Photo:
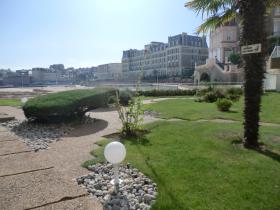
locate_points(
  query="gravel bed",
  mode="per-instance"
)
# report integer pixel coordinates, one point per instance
(37, 136)
(135, 192)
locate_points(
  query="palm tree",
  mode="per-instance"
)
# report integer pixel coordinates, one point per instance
(251, 15)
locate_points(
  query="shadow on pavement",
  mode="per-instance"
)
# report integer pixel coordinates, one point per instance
(88, 129)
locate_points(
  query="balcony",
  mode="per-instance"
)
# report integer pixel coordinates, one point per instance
(276, 52)
(275, 58)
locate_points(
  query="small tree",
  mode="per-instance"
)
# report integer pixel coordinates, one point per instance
(131, 116)
(235, 58)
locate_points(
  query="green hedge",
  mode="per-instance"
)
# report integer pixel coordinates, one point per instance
(223, 104)
(67, 105)
(168, 92)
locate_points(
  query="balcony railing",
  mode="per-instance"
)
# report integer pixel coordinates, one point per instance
(276, 52)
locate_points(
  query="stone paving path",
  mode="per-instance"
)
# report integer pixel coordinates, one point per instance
(46, 179)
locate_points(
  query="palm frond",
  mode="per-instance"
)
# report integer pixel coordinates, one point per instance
(211, 7)
(217, 20)
(272, 3)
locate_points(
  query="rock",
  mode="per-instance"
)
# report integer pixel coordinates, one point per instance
(148, 198)
(98, 193)
(79, 180)
(116, 207)
(97, 186)
(144, 206)
(36, 136)
(107, 197)
(132, 193)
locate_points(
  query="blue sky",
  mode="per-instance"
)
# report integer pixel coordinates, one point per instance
(83, 33)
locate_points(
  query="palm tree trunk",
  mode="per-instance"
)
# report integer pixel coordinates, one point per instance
(253, 15)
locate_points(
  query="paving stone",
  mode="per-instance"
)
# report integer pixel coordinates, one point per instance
(7, 136)
(6, 118)
(24, 191)
(16, 146)
(17, 163)
(82, 203)
(3, 129)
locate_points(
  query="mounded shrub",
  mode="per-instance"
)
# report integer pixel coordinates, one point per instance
(234, 94)
(213, 95)
(233, 98)
(112, 100)
(224, 104)
(125, 96)
(234, 91)
(67, 105)
(158, 93)
(210, 97)
(202, 92)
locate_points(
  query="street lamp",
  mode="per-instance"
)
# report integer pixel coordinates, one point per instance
(115, 153)
(24, 100)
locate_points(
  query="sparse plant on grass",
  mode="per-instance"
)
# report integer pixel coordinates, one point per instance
(125, 96)
(130, 116)
(234, 91)
(224, 104)
(158, 93)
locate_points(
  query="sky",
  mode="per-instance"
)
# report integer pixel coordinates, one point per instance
(85, 33)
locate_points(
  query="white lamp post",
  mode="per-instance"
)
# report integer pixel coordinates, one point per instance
(24, 100)
(115, 153)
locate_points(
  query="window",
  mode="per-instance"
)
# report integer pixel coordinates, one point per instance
(277, 11)
(228, 37)
(277, 26)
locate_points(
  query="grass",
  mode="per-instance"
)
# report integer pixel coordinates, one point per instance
(97, 154)
(10, 102)
(199, 167)
(157, 97)
(191, 110)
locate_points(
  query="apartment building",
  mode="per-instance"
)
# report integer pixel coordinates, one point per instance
(224, 41)
(16, 79)
(178, 57)
(110, 71)
(53, 75)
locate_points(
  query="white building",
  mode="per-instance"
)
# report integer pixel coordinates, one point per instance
(272, 76)
(224, 41)
(175, 58)
(110, 71)
(272, 81)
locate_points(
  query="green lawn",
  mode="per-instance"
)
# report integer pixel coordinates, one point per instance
(197, 167)
(191, 110)
(10, 102)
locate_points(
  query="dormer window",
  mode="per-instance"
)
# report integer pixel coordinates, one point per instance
(277, 11)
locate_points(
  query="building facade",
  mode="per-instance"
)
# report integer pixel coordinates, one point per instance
(15, 79)
(272, 76)
(273, 23)
(178, 57)
(224, 41)
(110, 71)
(53, 75)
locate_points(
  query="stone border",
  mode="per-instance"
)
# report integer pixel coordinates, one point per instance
(135, 192)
